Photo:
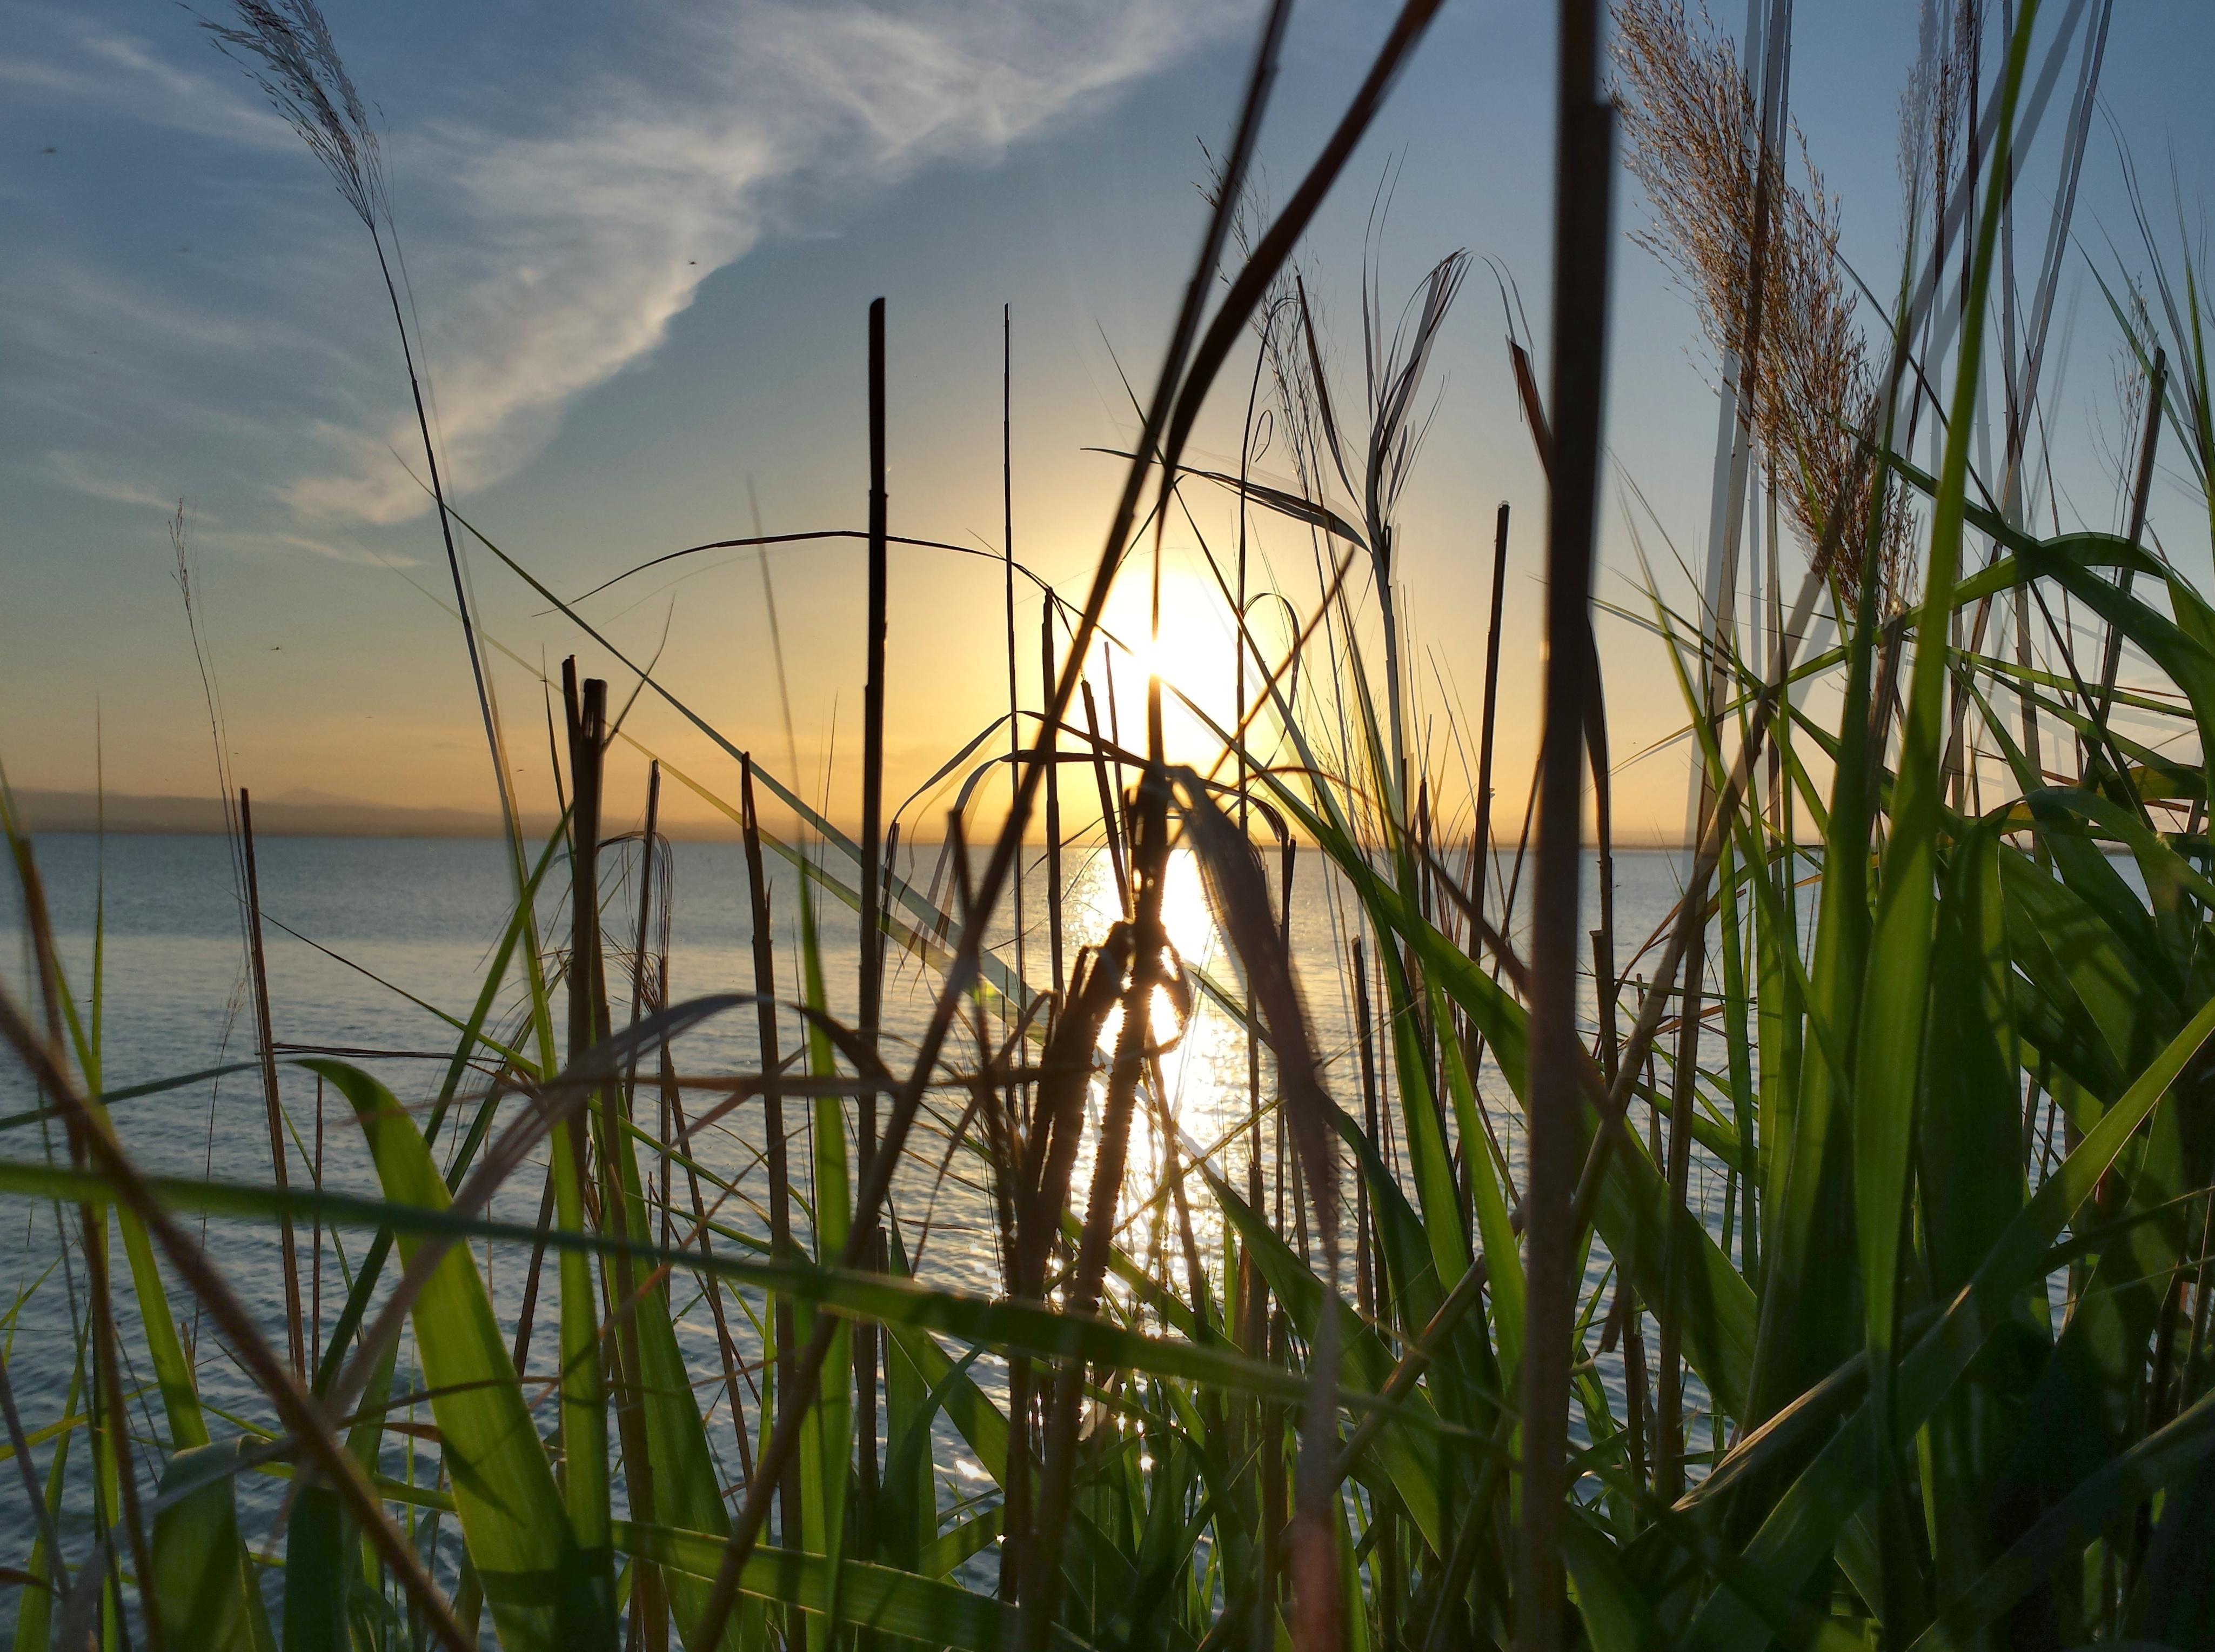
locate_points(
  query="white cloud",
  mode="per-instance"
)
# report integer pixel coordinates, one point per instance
(83, 474)
(551, 253)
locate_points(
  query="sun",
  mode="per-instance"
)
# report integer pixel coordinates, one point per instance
(1194, 654)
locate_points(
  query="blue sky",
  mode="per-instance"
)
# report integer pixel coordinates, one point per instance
(640, 243)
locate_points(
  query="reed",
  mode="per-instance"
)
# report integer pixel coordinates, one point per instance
(1490, 1322)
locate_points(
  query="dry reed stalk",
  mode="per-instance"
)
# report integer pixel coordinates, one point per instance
(1027, 1255)
(273, 1101)
(1668, 1426)
(1133, 1039)
(1809, 385)
(726, 1346)
(526, 1316)
(1008, 579)
(1110, 810)
(315, 1245)
(871, 983)
(1606, 988)
(589, 1027)
(1049, 754)
(1489, 717)
(1042, 1193)
(1365, 1035)
(1584, 173)
(780, 1184)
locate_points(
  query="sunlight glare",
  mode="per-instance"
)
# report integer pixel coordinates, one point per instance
(1193, 655)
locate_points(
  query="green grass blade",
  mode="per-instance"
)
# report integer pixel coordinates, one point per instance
(1801, 1529)
(994, 1323)
(827, 1444)
(847, 1593)
(2164, 1458)
(205, 1592)
(511, 1515)
(34, 1609)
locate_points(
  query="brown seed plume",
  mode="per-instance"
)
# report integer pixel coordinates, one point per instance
(1689, 114)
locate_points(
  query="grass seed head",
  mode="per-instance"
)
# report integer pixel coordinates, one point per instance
(286, 47)
(1809, 387)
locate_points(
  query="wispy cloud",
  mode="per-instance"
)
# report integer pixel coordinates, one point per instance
(63, 55)
(92, 476)
(550, 249)
(283, 543)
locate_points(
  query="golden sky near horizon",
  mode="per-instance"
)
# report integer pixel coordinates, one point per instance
(640, 279)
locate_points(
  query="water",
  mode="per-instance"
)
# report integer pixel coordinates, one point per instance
(362, 934)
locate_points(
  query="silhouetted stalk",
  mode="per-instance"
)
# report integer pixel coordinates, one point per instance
(1049, 756)
(1634, 1384)
(673, 1098)
(642, 985)
(1042, 1589)
(2111, 656)
(315, 1245)
(1007, 578)
(272, 1103)
(1583, 179)
(1738, 1040)
(1050, 1159)
(526, 1316)
(872, 915)
(1251, 1289)
(1669, 1439)
(773, 1134)
(1490, 714)
(114, 1424)
(588, 1027)
(1605, 986)
(1150, 854)
(584, 1383)
(1364, 1037)
(1110, 813)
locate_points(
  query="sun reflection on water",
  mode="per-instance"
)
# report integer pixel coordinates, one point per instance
(1203, 1073)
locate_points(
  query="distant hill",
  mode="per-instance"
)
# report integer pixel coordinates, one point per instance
(300, 813)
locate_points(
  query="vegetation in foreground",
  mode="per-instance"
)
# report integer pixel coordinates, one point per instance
(1935, 1000)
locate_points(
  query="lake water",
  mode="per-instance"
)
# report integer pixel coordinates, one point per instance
(362, 934)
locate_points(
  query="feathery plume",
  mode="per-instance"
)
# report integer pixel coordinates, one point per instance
(1808, 389)
(285, 48)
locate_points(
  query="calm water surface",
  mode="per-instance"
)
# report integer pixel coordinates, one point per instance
(365, 938)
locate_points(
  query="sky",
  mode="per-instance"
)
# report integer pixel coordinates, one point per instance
(640, 243)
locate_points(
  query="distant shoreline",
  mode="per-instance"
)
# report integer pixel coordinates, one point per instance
(46, 812)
